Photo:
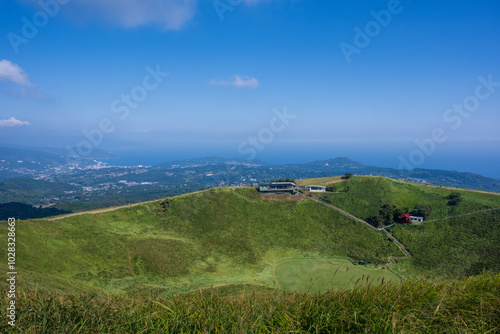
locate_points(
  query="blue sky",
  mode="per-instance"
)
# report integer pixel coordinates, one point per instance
(225, 77)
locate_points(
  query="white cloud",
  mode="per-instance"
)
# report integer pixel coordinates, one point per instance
(170, 14)
(12, 122)
(241, 82)
(12, 72)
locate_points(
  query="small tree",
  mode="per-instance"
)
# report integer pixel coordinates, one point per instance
(398, 212)
(455, 198)
(375, 221)
(346, 176)
(388, 212)
(421, 211)
(331, 188)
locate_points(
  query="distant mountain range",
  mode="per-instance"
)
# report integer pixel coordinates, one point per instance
(46, 178)
(344, 165)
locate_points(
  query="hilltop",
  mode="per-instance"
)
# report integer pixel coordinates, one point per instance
(365, 196)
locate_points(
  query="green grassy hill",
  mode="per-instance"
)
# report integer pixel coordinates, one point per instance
(452, 248)
(365, 196)
(217, 237)
(468, 306)
(227, 254)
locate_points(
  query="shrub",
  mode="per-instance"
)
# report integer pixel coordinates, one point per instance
(421, 211)
(455, 198)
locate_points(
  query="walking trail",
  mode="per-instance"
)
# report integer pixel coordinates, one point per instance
(93, 212)
(464, 214)
(396, 241)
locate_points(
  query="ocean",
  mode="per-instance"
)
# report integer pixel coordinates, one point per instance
(483, 159)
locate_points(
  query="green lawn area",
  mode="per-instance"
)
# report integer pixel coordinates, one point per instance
(320, 275)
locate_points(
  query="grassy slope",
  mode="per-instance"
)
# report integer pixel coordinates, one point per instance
(448, 248)
(367, 195)
(454, 247)
(468, 306)
(215, 237)
(191, 244)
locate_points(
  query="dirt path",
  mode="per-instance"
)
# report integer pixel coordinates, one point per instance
(93, 212)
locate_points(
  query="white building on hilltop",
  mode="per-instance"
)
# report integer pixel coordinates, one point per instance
(315, 189)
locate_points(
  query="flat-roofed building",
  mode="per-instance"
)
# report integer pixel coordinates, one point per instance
(278, 188)
(315, 189)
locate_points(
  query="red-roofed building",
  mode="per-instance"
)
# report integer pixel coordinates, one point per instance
(404, 218)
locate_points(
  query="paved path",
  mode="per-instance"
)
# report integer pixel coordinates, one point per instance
(464, 214)
(340, 210)
(396, 241)
(401, 246)
(403, 249)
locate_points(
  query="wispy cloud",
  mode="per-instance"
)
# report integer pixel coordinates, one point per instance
(17, 77)
(169, 14)
(12, 122)
(14, 73)
(238, 81)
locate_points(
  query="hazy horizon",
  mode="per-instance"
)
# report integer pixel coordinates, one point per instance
(470, 160)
